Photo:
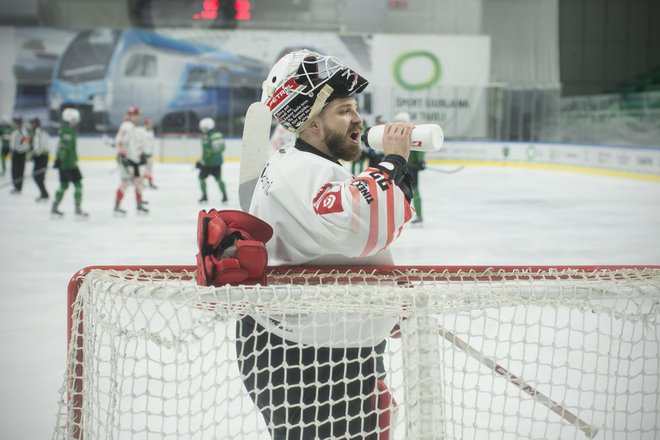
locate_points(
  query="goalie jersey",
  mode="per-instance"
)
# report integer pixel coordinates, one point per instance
(322, 215)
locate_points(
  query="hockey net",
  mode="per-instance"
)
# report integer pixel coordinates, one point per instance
(477, 352)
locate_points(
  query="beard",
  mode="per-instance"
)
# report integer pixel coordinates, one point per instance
(340, 145)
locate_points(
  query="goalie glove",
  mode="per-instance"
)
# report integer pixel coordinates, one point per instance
(232, 248)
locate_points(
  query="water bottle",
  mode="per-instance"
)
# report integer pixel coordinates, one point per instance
(425, 137)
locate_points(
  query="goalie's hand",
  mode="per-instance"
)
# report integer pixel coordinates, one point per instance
(232, 248)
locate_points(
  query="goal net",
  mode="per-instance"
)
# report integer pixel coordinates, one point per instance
(469, 353)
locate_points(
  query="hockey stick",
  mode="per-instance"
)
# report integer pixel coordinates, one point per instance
(589, 430)
(255, 151)
(440, 170)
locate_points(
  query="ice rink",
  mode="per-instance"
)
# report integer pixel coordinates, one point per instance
(476, 216)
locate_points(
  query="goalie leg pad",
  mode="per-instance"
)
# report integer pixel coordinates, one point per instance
(383, 401)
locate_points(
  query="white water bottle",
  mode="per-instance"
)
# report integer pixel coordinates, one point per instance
(425, 137)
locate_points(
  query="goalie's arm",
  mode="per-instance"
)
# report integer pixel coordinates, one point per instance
(378, 202)
(353, 217)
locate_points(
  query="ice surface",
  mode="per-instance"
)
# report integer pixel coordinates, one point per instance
(477, 216)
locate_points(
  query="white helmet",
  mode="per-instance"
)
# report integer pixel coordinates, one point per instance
(71, 115)
(206, 124)
(402, 117)
(301, 83)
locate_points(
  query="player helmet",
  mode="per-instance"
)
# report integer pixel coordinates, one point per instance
(71, 115)
(206, 124)
(149, 123)
(132, 111)
(402, 117)
(36, 122)
(301, 83)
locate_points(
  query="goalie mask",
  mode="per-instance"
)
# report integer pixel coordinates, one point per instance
(301, 83)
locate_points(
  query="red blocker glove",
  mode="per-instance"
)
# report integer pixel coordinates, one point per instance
(232, 248)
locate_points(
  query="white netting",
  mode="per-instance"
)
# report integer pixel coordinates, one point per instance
(482, 353)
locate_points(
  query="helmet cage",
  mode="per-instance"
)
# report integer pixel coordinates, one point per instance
(304, 84)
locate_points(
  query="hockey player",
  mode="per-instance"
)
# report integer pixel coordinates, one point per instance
(129, 150)
(319, 381)
(20, 146)
(148, 146)
(40, 153)
(416, 163)
(210, 164)
(5, 135)
(67, 162)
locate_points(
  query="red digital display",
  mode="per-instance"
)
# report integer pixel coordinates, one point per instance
(239, 10)
(397, 4)
(242, 10)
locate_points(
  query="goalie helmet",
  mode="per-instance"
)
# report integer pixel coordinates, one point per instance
(71, 115)
(301, 83)
(206, 124)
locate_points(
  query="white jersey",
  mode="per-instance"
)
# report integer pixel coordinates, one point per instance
(40, 142)
(20, 141)
(321, 215)
(147, 140)
(128, 141)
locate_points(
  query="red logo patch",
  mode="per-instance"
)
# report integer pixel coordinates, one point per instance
(328, 200)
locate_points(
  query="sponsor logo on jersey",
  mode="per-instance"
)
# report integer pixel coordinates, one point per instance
(328, 200)
(363, 188)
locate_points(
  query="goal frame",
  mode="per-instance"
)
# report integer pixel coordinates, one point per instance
(294, 274)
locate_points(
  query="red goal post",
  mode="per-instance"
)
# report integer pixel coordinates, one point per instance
(502, 352)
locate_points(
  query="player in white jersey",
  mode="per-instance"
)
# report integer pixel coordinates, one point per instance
(129, 155)
(40, 154)
(322, 215)
(148, 146)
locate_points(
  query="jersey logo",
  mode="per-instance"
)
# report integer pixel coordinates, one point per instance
(363, 188)
(328, 200)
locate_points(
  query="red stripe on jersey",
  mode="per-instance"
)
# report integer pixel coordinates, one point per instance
(355, 208)
(407, 211)
(373, 217)
(391, 221)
